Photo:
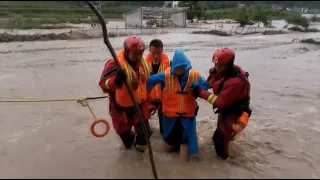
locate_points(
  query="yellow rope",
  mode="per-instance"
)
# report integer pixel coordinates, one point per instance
(39, 100)
(85, 103)
(82, 101)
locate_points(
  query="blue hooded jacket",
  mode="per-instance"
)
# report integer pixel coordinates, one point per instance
(189, 124)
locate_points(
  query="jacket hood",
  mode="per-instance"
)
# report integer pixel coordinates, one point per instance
(180, 59)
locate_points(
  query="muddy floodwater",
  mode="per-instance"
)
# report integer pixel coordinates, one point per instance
(52, 140)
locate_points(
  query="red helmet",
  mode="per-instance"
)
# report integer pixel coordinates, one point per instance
(223, 56)
(134, 43)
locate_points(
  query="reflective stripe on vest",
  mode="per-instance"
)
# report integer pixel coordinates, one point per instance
(177, 102)
(155, 93)
(122, 96)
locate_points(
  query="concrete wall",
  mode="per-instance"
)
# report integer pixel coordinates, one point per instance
(133, 19)
(180, 19)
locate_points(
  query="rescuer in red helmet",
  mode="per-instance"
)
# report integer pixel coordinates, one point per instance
(121, 108)
(230, 98)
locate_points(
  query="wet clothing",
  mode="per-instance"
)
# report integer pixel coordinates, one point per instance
(136, 78)
(177, 136)
(179, 101)
(188, 124)
(231, 97)
(155, 94)
(123, 118)
(159, 107)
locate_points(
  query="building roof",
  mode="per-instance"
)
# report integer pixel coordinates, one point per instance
(156, 11)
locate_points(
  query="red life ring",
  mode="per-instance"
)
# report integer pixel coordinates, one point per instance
(97, 121)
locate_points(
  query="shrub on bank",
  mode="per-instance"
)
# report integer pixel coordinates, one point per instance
(298, 20)
(315, 18)
(242, 16)
(246, 15)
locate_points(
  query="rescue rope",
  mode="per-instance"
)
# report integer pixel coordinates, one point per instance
(82, 101)
(141, 118)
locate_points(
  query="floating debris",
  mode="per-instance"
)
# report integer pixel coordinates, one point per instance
(215, 32)
(273, 32)
(311, 41)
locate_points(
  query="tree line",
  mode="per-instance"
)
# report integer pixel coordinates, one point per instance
(212, 5)
(284, 4)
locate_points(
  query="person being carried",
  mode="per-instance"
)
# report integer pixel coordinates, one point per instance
(179, 106)
(157, 62)
(121, 108)
(231, 98)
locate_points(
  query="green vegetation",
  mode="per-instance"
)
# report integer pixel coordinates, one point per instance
(197, 9)
(254, 14)
(298, 20)
(213, 5)
(261, 14)
(230, 13)
(33, 14)
(29, 23)
(246, 15)
(242, 15)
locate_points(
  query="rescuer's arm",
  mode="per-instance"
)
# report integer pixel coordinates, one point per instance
(155, 79)
(228, 95)
(107, 81)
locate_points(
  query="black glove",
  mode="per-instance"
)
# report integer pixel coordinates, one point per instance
(120, 77)
(195, 88)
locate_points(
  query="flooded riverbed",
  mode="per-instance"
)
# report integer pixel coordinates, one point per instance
(52, 140)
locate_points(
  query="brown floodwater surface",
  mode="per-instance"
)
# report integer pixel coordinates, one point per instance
(53, 140)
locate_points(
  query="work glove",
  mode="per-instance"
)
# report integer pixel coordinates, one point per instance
(213, 71)
(120, 77)
(195, 89)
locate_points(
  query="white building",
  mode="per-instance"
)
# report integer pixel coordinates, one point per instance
(135, 18)
(171, 4)
(240, 5)
(175, 4)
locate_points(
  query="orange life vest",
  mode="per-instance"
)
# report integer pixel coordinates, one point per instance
(137, 81)
(155, 93)
(177, 102)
